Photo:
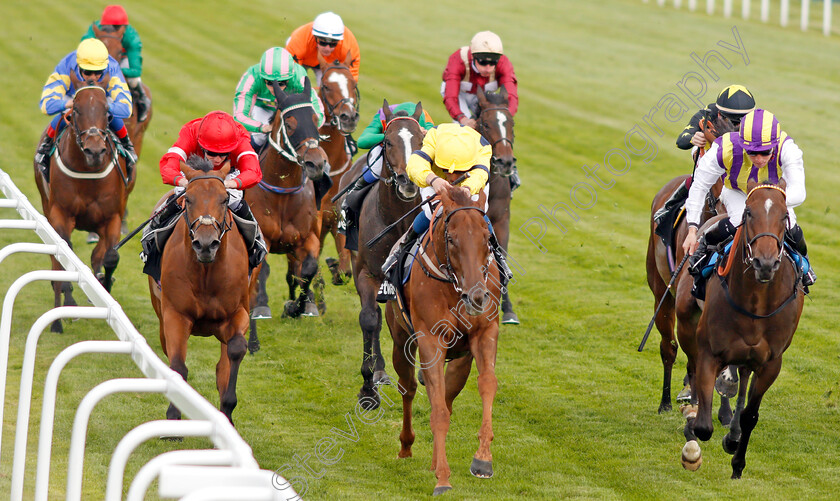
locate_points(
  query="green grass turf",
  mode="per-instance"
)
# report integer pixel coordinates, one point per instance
(575, 415)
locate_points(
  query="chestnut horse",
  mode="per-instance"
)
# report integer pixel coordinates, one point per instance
(391, 197)
(661, 262)
(751, 312)
(453, 302)
(284, 202)
(340, 97)
(495, 123)
(113, 42)
(88, 187)
(204, 289)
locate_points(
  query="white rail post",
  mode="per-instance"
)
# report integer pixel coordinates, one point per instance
(692, 5)
(745, 9)
(42, 475)
(805, 15)
(784, 12)
(827, 17)
(727, 8)
(150, 471)
(710, 7)
(765, 11)
(27, 376)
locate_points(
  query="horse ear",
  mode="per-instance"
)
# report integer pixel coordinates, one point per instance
(322, 63)
(751, 183)
(74, 81)
(418, 111)
(307, 86)
(386, 111)
(96, 31)
(782, 184)
(504, 93)
(224, 170)
(482, 99)
(349, 59)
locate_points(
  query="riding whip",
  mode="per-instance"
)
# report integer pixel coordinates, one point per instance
(661, 301)
(144, 223)
(391, 226)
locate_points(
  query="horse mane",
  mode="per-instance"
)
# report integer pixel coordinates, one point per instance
(401, 113)
(108, 28)
(460, 198)
(198, 163)
(495, 98)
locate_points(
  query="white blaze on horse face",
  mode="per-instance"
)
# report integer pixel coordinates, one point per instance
(341, 81)
(502, 119)
(767, 204)
(405, 134)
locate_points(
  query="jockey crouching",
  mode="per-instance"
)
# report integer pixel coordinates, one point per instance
(219, 139)
(90, 61)
(254, 103)
(446, 148)
(372, 137)
(761, 149)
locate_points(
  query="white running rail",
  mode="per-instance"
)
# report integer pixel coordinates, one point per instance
(231, 461)
(784, 11)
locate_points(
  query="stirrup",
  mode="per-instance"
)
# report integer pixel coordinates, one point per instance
(809, 278)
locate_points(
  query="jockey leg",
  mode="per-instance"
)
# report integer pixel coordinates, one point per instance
(677, 199)
(250, 230)
(151, 254)
(715, 235)
(42, 154)
(796, 239)
(118, 126)
(499, 254)
(352, 204)
(387, 290)
(138, 94)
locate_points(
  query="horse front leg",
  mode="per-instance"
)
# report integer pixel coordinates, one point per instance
(227, 370)
(762, 380)
(177, 330)
(432, 363)
(731, 440)
(370, 321)
(667, 347)
(404, 350)
(483, 348)
(64, 227)
(261, 310)
(307, 256)
(104, 255)
(502, 229)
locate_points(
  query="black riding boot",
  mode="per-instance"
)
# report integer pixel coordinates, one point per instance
(499, 254)
(42, 156)
(169, 210)
(351, 205)
(252, 234)
(131, 155)
(386, 290)
(139, 95)
(710, 240)
(677, 198)
(796, 238)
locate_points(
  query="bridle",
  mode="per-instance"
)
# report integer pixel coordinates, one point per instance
(206, 219)
(484, 130)
(748, 254)
(392, 177)
(80, 134)
(282, 142)
(330, 107)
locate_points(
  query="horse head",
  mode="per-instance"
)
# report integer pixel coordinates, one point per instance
(205, 201)
(403, 135)
(339, 94)
(714, 127)
(111, 36)
(295, 129)
(89, 117)
(495, 123)
(765, 221)
(464, 239)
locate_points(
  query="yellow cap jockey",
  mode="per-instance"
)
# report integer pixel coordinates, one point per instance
(451, 148)
(92, 55)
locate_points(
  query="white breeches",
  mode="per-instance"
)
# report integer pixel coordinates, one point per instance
(469, 102)
(735, 201)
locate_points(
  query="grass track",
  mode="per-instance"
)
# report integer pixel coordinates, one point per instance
(575, 413)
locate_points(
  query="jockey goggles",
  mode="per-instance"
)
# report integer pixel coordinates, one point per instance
(486, 62)
(762, 153)
(216, 154)
(323, 42)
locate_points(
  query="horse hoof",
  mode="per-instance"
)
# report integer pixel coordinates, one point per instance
(481, 469)
(261, 313)
(56, 327)
(253, 347)
(369, 400)
(440, 490)
(420, 377)
(684, 396)
(381, 378)
(290, 310)
(92, 238)
(691, 456)
(310, 309)
(664, 408)
(510, 318)
(322, 307)
(729, 445)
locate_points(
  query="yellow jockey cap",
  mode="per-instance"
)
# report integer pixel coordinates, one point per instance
(92, 55)
(456, 147)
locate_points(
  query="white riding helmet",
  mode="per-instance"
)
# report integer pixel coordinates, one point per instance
(328, 25)
(486, 42)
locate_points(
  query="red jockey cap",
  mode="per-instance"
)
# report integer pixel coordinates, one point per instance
(115, 15)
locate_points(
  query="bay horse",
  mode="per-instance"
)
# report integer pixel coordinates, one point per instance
(453, 302)
(340, 97)
(88, 187)
(391, 197)
(495, 123)
(113, 42)
(661, 261)
(751, 312)
(284, 202)
(204, 285)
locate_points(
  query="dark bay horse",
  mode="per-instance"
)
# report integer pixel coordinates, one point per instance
(113, 42)
(204, 285)
(661, 262)
(453, 302)
(751, 312)
(284, 202)
(88, 187)
(387, 201)
(340, 96)
(495, 123)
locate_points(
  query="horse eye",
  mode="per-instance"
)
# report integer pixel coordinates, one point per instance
(387, 143)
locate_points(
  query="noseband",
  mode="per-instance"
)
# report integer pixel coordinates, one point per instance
(208, 220)
(282, 142)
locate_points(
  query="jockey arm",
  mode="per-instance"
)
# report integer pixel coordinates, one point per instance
(316, 104)
(452, 75)
(373, 134)
(793, 172)
(707, 173)
(119, 97)
(133, 48)
(244, 99)
(684, 140)
(507, 77)
(247, 162)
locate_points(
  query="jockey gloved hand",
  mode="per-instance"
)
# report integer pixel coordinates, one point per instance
(690, 243)
(699, 140)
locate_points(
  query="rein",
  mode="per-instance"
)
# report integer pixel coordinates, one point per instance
(748, 258)
(207, 220)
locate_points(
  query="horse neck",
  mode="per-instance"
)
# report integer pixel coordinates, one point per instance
(279, 171)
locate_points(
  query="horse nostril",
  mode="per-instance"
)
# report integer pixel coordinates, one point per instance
(214, 245)
(196, 245)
